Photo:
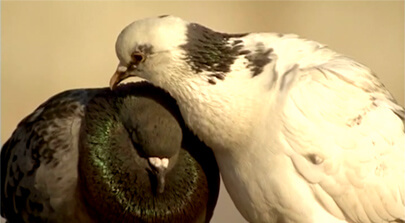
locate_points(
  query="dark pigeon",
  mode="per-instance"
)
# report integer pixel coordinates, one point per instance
(83, 156)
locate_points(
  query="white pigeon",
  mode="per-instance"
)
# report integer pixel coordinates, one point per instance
(300, 132)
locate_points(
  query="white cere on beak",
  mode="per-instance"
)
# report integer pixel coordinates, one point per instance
(158, 162)
(122, 69)
(165, 162)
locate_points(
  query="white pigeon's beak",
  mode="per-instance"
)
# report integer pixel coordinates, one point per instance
(159, 166)
(119, 75)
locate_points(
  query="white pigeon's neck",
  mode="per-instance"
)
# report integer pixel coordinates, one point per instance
(215, 112)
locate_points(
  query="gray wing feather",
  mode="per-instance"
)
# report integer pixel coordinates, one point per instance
(39, 161)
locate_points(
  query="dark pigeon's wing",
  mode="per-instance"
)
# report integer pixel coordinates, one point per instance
(39, 161)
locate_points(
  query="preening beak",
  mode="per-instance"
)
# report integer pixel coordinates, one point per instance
(119, 75)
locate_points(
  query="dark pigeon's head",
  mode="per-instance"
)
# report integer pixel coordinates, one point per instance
(155, 133)
(166, 50)
(138, 162)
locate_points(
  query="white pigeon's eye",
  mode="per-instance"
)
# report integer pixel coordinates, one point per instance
(137, 57)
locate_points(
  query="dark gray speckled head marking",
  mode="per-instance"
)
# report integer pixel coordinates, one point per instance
(258, 59)
(146, 49)
(210, 51)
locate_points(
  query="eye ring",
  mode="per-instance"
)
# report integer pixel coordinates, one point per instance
(137, 57)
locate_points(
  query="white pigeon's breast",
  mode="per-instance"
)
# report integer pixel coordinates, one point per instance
(249, 153)
(265, 186)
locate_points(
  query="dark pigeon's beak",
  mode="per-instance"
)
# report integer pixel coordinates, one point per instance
(159, 167)
(119, 75)
(160, 180)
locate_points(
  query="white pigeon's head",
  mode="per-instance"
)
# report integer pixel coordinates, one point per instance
(167, 49)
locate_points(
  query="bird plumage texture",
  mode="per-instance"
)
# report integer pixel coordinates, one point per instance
(82, 156)
(300, 133)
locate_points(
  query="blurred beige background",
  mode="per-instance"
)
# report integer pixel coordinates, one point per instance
(48, 47)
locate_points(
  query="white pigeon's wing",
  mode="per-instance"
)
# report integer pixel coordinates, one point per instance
(345, 135)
